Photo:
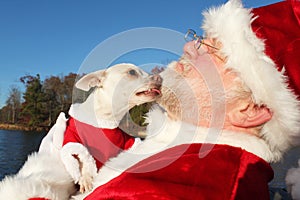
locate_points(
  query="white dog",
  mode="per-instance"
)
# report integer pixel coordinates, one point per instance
(61, 162)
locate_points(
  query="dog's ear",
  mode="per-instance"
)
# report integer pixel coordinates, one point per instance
(90, 80)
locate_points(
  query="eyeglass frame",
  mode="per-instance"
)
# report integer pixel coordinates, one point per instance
(199, 40)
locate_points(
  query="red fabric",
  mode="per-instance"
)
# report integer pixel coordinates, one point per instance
(101, 143)
(278, 25)
(226, 173)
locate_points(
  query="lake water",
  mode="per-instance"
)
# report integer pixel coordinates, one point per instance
(15, 146)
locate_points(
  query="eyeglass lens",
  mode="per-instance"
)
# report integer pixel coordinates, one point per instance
(190, 35)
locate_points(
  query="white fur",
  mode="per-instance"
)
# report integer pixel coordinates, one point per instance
(165, 133)
(86, 115)
(52, 142)
(231, 25)
(293, 182)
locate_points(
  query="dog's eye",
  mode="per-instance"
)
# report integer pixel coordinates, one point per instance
(132, 72)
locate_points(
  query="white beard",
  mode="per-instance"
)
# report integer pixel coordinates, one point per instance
(176, 92)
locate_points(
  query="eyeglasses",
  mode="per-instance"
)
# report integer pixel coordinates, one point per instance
(199, 40)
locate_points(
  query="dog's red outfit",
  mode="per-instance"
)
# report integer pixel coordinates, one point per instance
(102, 143)
(225, 173)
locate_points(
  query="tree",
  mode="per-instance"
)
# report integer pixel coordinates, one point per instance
(58, 95)
(34, 108)
(5, 114)
(157, 70)
(67, 91)
(13, 103)
(52, 91)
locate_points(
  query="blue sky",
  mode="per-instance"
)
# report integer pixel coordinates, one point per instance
(55, 37)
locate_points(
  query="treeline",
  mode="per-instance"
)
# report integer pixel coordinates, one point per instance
(41, 102)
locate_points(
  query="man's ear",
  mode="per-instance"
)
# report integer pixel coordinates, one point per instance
(90, 80)
(249, 116)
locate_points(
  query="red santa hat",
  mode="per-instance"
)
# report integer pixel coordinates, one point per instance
(261, 45)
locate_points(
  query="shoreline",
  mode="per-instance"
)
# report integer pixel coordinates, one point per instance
(19, 127)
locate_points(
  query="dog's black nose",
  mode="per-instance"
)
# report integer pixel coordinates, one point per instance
(156, 78)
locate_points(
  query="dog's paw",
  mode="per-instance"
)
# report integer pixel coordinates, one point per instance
(86, 183)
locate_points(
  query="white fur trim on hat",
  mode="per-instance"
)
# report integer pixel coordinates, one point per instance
(231, 25)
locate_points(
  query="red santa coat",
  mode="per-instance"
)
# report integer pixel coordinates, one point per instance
(102, 143)
(226, 172)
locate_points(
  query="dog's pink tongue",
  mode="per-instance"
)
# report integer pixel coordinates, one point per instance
(156, 90)
(152, 92)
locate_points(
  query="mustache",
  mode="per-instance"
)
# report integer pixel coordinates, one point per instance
(186, 63)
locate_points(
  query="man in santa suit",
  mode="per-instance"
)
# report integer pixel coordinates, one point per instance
(232, 107)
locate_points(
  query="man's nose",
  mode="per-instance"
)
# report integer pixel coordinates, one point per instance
(189, 50)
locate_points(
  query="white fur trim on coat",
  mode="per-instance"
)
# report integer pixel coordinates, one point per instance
(231, 25)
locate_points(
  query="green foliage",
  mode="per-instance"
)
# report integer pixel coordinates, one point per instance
(137, 113)
(34, 107)
(58, 94)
